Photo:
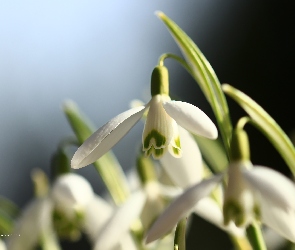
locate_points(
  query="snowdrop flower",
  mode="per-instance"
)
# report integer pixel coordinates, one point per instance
(187, 171)
(34, 224)
(115, 230)
(71, 193)
(160, 131)
(252, 193)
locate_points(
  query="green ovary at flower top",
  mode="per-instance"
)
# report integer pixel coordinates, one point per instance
(161, 127)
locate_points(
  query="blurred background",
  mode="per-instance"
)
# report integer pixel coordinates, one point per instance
(101, 53)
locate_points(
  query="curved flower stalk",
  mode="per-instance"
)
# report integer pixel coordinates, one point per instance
(252, 193)
(160, 132)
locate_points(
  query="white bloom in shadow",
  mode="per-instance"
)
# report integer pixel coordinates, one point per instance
(252, 193)
(2, 245)
(160, 131)
(34, 223)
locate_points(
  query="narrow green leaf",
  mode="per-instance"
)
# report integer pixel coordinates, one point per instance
(205, 76)
(9, 207)
(266, 124)
(6, 223)
(213, 153)
(107, 166)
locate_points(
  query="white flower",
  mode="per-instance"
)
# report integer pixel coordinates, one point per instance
(115, 230)
(2, 245)
(34, 224)
(252, 193)
(160, 132)
(71, 193)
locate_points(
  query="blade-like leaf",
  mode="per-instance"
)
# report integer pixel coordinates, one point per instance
(266, 124)
(9, 207)
(213, 153)
(204, 74)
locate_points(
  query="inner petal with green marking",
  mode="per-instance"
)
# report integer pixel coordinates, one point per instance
(159, 129)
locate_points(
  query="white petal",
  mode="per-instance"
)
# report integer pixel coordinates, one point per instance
(281, 221)
(97, 213)
(120, 221)
(2, 245)
(191, 118)
(126, 243)
(188, 169)
(180, 208)
(70, 191)
(272, 186)
(106, 137)
(208, 209)
(33, 223)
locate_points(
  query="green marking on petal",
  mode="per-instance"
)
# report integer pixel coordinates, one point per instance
(233, 211)
(176, 151)
(257, 212)
(159, 139)
(177, 142)
(158, 153)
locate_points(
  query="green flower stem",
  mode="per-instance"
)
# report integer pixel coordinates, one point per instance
(60, 162)
(241, 243)
(242, 122)
(176, 58)
(205, 76)
(254, 235)
(261, 120)
(41, 183)
(107, 166)
(49, 241)
(179, 238)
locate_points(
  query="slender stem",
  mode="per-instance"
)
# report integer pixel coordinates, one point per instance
(241, 243)
(255, 237)
(179, 238)
(175, 57)
(242, 122)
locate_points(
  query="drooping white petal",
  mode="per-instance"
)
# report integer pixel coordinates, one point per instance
(191, 118)
(71, 191)
(280, 220)
(34, 223)
(97, 213)
(158, 129)
(272, 186)
(208, 209)
(180, 208)
(120, 221)
(2, 245)
(188, 169)
(126, 243)
(106, 137)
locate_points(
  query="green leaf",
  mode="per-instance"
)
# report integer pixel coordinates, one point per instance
(6, 223)
(9, 207)
(213, 153)
(107, 166)
(266, 124)
(205, 76)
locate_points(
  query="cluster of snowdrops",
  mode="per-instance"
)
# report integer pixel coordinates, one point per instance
(186, 165)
